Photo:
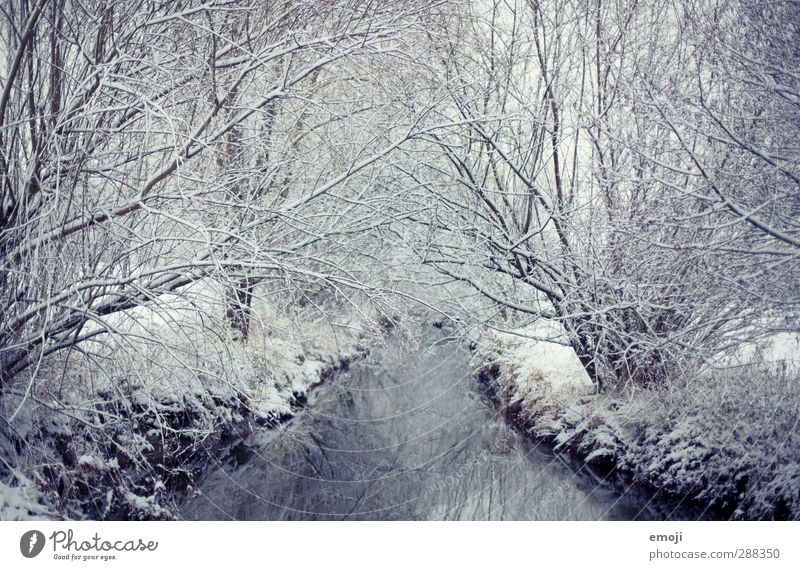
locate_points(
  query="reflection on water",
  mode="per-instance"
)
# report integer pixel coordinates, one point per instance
(407, 435)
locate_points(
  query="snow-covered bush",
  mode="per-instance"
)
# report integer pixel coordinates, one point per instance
(121, 431)
(727, 440)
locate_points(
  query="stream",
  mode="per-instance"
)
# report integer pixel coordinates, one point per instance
(408, 433)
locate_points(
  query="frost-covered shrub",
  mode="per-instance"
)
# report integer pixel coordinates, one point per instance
(120, 432)
(730, 441)
(727, 441)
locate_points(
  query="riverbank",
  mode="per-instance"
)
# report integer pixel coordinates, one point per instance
(123, 434)
(726, 441)
(407, 433)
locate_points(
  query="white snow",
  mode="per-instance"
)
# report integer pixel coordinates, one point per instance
(179, 363)
(97, 463)
(708, 441)
(541, 366)
(20, 502)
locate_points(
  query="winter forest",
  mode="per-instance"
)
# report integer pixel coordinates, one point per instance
(578, 220)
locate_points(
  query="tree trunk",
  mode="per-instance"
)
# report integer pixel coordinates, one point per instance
(238, 312)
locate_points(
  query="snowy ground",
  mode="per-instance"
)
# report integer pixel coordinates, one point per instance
(114, 432)
(730, 445)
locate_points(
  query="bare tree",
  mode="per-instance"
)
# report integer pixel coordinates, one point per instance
(146, 146)
(572, 194)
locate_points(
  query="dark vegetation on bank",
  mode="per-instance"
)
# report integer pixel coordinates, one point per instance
(728, 449)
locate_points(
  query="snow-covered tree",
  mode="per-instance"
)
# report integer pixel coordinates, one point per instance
(148, 145)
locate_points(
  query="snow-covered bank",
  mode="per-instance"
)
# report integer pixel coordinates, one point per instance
(120, 432)
(727, 442)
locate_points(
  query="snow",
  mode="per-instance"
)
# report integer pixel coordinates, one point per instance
(20, 502)
(543, 368)
(712, 442)
(97, 463)
(178, 383)
(780, 351)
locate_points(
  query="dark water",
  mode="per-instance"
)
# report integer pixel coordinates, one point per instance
(407, 434)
